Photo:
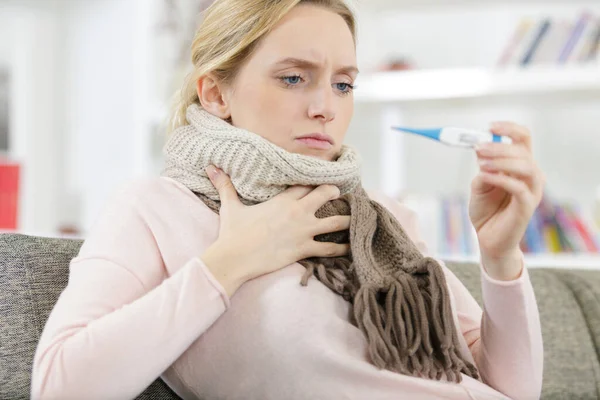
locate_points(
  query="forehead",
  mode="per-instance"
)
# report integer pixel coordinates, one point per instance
(311, 32)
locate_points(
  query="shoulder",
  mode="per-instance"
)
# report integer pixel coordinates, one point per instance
(407, 217)
(149, 189)
(142, 211)
(403, 214)
(154, 193)
(149, 202)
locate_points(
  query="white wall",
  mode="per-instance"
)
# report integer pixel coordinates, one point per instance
(28, 33)
(79, 105)
(102, 102)
(450, 35)
(473, 35)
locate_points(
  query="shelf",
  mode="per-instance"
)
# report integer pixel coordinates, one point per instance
(379, 5)
(463, 83)
(559, 261)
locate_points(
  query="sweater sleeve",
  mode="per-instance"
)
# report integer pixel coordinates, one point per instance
(121, 321)
(505, 337)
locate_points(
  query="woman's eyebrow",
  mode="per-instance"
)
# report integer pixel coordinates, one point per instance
(299, 62)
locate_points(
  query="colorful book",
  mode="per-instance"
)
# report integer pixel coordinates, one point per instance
(9, 195)
(533, 234)
(568, 238)
(565, 221)
(446, 228)
(454, 225)
(574, 37)
(465, 225)
(525, 43)
(585, 232)
(527, 240)
(515, 41)
(537, 39)
(594, 51)
(585, 42)
(557, 35)
(550, 232)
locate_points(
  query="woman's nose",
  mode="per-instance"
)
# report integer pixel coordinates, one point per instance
(322, 104)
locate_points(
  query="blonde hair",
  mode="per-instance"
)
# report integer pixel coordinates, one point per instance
(229, 32)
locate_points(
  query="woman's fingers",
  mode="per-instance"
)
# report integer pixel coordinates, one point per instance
(515, 160)
(518, 133)
(502, 150)
(222, 183)
(328, 249)
(319, 196)
(332, 224)
(512, 185)
(296, 192)
(517, 167)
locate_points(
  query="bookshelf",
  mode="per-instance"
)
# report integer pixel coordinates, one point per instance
(456, 80)
(386, 5)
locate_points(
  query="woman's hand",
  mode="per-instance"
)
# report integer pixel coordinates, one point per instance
(504, 195)
(256, 240)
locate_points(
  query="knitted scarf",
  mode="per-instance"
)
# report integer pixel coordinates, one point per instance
(399, 297)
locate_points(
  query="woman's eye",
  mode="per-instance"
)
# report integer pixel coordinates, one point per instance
(344, 87)
(292, 80)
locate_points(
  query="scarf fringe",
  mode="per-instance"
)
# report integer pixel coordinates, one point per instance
(407, 321)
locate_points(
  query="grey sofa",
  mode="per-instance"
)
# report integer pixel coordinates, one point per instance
(34, 270)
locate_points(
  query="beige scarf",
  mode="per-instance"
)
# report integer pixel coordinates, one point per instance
(400, 298)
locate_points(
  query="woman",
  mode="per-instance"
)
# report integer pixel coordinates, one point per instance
(197, 281)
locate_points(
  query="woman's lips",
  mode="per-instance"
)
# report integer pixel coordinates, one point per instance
(315, 143)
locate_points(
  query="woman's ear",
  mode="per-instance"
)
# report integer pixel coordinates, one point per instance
(212, 96)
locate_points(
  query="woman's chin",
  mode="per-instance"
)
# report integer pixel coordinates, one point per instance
(321, 156)
(325, 155)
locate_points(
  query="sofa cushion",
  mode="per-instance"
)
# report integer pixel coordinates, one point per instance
(570, 319)
(33, 273)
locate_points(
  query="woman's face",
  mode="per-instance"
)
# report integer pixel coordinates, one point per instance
(299, 82)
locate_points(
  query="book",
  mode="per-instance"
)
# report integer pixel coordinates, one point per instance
(555, 227)
(586, 233)
(582, 21)
(585, 43)
(515, 41)
(553, 41)
(533, 239)
(525, 41)
(557, 35)
(537, 39)
(550, 233)
(574, 239)
(9, 195)
(594, 49)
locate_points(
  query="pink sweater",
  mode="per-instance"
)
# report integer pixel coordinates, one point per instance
(141, 304)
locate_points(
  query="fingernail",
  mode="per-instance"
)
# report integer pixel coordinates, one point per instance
(483, 146)
(212, 171)
(497, 126)
(484, 163)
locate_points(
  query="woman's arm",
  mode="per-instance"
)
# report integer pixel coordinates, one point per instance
(121, 322)
(505, 338)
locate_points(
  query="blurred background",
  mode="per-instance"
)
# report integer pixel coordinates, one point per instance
(85, 87)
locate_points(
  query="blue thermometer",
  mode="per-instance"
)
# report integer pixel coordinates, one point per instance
(459, 137)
